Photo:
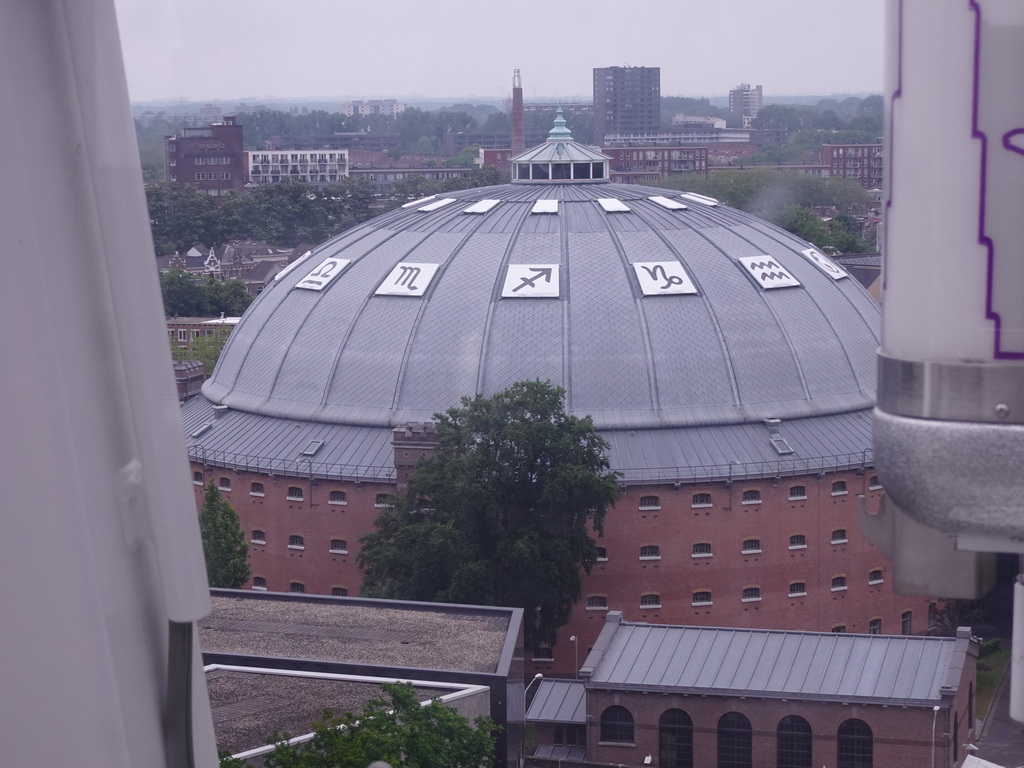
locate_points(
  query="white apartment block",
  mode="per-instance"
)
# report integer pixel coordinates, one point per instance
(311, 166)
(373, 107)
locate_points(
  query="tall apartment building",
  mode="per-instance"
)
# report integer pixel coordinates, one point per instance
(626, 100)
(373, 107)
(210, 158)
(745, 101)
(312, 167)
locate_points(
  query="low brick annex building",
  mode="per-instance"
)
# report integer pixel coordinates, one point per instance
(679, 697)
(729, 365)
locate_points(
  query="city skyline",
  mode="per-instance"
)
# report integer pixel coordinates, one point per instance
(319, 49)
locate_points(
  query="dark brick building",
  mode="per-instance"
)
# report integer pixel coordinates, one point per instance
(209, 158)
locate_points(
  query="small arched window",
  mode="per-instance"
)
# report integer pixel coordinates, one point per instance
(873, 483)
(838, 629)
(838, 487)
(256, 489)
(701, 500)
(597, 601)
(602, 554)
(650, 600)
(339, 592)
(752, 496)
(751, 546)
(797, 588)
(259, 582)
(854, 745)
(294, 493)
(197, 478)
(382, 500)
(259, 537)
(703, 597)
(650, 502)
(224, 484)
(875, 627)
(702, 549)
(751, 594)
(675, 739)
(798, 541)
(793, 743)
(838, 583)
(617, 725)
(875, 576)
(797, 492)
(650, 552)
(296, 586)
(296, 542)
(907, 628)
(337, 497)
(339, 546)
(735, 741)
(839, 536)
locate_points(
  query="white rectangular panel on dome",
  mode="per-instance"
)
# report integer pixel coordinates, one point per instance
(666, 202)
(531, 281)
(659, 278)
(408, 279)
(421, 201)
(611, 205)
(825, 264)
(545, 206)
(322, 274)
(437, 204)
(481, 206)
(768, 272)
(702, 199)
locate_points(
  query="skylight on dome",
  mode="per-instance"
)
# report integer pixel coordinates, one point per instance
(665, 202)
(611, 205)
(422, 200)
(437, 204)
(481, 206)
(545, 206)
(702, 199)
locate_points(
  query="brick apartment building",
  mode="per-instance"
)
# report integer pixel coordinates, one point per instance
(210, 158)
(861, 162)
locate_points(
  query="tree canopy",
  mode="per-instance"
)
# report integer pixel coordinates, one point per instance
(501, 514)
(224, 545)
(394, 728)
(186, 296)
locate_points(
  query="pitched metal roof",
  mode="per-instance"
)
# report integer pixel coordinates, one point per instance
(559, 701)
(884, 669)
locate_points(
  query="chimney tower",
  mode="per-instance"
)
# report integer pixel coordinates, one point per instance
(518, 137)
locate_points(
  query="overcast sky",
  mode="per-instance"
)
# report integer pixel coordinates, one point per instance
(253, 49)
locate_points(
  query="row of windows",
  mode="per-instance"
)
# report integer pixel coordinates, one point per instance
(749, 594)
(753, 495)
(213, 161)
(338, 546)
(260, 583)
(295, 493)
(748, 547)
(213, 176)
(793, 738)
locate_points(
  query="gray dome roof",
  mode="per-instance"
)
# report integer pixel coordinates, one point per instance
(665, 314)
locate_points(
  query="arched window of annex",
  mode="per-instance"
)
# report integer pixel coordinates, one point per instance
(617, 725)
(735, 741)
(793, 743)
(675, 740)
(854, 745)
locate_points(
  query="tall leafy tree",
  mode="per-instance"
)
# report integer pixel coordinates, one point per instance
(501, 514)
(181, 216)
(224, 545)
(183, 295)
(394, 728)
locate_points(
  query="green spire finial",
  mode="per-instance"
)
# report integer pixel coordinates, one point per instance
(559, 132)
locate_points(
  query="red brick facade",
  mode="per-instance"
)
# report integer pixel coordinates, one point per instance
(659, 585)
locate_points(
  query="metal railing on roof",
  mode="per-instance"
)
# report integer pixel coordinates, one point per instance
(781, 467)
(291, 467)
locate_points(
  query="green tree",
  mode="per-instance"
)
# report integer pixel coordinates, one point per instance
(180, 216)
(229, 297)
(501, 514)
(183, 296)
(204, 349)
(224, 545)
(396, 729)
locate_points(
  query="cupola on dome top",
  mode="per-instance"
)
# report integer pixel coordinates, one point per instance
(560, 159)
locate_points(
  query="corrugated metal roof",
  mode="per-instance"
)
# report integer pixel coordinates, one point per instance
(808, 665)
(559, 701)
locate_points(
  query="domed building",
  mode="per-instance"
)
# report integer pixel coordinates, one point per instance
(729, 364)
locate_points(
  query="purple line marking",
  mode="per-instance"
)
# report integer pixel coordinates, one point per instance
(984, 240)
(1010, 140)
(897, 94)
